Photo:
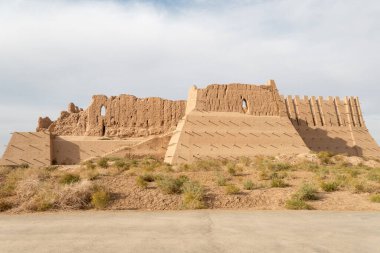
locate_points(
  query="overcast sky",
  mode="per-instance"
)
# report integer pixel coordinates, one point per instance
(60, 51)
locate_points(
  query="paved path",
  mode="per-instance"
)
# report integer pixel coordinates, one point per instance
(191, 231)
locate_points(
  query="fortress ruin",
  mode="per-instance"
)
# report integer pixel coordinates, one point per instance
(217, 122)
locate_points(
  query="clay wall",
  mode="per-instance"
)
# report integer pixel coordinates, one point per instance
(68, 150)
(221, 135)
(261, 100)
(331, 124)
(124, 116)
(28, 148)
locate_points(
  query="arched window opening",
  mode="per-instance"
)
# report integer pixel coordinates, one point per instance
(244, 105)
(103, 111)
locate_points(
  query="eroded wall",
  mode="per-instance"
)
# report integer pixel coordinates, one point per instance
(124, 116)
(261, 100)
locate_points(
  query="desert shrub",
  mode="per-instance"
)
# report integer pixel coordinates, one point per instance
(264, 175)
(5, 205)
(100, 199)
(221, 181)
(249, 185)
(246, 161)
(307, 165)
(92, 174)
(375, 198)
(330, 186)
(231, 169)
(140, 181)
(278, 175)
(279, 166)
(122, 165)
(297, 204)
(193, 195)
(362, 187)
(89, 164)
(23, 166)
(306, 192)
(172, 185)
(149, 163)
(232, 189)
(278, 183)
(27, 188)
(374, 175)
(74, 196)
(51, 168)
(43, 201)
(325, 157)
(103, 162)
(8, 186)
(206, 165)
(148, 177)
(69, 178)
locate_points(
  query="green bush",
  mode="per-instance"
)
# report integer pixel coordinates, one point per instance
(4, 206)
(193, 195)
(100, 199)
(231, 168)
(249, 185)
(374, 175)
(306, 192)
(375, 198)
(278, 183)
(89, 165)
(221, 181)
(170, 185)
(103, 162)
(279, 166)
(140, 181)
(330, 186)
(122, 165)
(297, 204)
(69, 178)
(325, 157)
(232, 189)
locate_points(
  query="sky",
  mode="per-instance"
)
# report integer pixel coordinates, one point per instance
(60, 51)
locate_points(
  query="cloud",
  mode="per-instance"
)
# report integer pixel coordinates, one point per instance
(56, 52)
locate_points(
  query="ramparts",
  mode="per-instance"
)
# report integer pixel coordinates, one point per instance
(217, 122)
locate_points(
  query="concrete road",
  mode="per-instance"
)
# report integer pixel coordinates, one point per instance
(191, 231)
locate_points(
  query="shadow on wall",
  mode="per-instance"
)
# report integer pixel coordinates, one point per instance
(65, 152)
(318, 139)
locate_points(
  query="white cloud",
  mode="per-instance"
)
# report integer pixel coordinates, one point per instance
(55, 52)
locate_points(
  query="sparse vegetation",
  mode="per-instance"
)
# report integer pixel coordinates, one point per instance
(330, 186)
(278, 183)
(100, 199)
(4, 206)
(73, 188)
(221, 181)
(103, 162)
(249, 185)
(232, 189)
(69, 178)
(231, 169)
(297, 204)
(172, 185)
(325, 157)
(140, 181)
(193, 195)
(375, 198)
(306, 192)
